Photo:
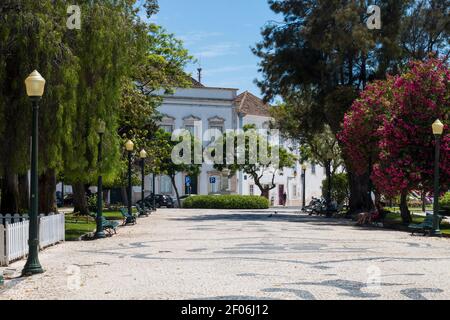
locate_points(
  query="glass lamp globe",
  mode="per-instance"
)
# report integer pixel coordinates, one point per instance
(35, 84)
(143, 154)
(438, 128)
(101, 127)
(129, 145)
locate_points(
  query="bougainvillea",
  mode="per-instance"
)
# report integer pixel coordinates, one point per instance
(390, 124)
(359, 135)
(406, 157)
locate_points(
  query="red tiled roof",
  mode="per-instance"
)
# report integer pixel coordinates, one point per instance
(250, 104)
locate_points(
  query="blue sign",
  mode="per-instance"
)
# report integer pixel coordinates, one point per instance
(212, 180)
(187, 181)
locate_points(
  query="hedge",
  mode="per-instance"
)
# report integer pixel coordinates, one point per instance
(445, 203)
(226, 202)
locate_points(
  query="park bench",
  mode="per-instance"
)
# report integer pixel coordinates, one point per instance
(109, 226)
(127, 218)
(425, 227)
(143, 210)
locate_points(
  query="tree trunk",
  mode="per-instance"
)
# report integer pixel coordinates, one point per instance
(172, 178)
(360, 199)
(265, 193)
(79, 198)
(124, 193)
(424, 201)
(47, 192)
(10, 193)
(404, 210)
(24, 193)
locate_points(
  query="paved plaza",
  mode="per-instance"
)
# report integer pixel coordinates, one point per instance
(219, 254)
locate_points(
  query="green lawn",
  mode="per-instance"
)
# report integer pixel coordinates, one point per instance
(115, 215)
(394, 219)
(416, 209)
(77, 226)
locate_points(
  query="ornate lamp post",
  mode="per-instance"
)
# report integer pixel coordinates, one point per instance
(154, 191)
(438, 130)
(100, 234)
(143, 156)
(35, 85)
(129, 146)
(329, 161)
(304, 167)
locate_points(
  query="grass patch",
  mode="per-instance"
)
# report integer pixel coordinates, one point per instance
(395, 220)
(77, 226)
(414, 209)
(115, 215)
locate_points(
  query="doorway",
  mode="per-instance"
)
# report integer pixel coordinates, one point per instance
(280, 195)
(193, 188)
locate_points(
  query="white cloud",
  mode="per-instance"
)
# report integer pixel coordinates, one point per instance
(218, 50)
(192, 38)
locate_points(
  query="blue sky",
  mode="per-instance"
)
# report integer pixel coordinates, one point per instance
(219, 33)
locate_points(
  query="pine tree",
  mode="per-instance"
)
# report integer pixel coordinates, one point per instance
(323, 54)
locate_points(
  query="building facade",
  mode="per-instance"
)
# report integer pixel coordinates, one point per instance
(200, 108)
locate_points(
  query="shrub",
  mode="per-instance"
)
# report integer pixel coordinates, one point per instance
(445, 202)
(92, 203)
(340, 190)
(226, 202)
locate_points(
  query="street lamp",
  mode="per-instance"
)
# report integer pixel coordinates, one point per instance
(35, 85)
(129, 146)
(438, 130)
(304, 167)
(329, 161)
(100, 234)
(143, 156)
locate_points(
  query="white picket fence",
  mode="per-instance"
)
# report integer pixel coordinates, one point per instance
(14, 236)
(51, 230)
(12, 218)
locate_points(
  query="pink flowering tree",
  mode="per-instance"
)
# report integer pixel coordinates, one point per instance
(406, 146)
(390, 126)
(359, 136)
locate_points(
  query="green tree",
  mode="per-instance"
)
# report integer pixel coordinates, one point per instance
(258, 160)
(161, 149)
(339, 188)
(21, 54)
(322, 54)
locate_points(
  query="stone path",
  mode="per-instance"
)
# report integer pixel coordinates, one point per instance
(209, 254)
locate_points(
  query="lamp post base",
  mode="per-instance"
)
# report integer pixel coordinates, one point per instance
(31, 268)
(100, 235)
(436, 233)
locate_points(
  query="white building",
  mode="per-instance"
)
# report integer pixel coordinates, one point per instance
(200, 108)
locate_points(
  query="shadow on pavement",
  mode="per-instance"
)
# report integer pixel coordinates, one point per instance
(266, 216)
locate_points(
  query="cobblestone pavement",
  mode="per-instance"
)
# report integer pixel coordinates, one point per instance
(212, 254)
